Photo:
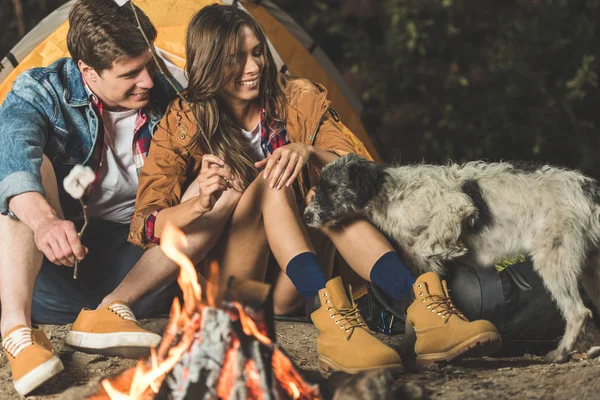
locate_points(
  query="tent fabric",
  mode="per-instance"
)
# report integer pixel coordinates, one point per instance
(309, 43)
(29, 42)
(290, 44)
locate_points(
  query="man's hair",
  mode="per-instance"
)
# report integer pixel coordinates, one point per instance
(101, 32)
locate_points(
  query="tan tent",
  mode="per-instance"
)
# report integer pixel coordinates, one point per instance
(294, 50)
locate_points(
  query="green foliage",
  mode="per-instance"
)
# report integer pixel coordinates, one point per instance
(471, 79)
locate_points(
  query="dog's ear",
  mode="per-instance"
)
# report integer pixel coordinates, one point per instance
(366, 178)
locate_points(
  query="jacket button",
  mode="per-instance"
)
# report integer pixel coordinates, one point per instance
(182, 136)
(92, 115)
(309, 136)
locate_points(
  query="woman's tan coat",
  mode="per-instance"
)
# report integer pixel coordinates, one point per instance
(174, 162)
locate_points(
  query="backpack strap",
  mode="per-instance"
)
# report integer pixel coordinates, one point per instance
(492, 295)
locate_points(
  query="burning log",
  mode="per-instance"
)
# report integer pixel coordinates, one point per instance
(210, 352)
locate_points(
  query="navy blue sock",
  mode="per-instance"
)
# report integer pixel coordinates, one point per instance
(391, 275)
(306, 274)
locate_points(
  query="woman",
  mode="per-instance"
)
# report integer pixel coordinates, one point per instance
(230, 164)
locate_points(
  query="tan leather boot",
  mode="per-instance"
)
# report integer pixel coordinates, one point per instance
(443, 333)
(344, 342)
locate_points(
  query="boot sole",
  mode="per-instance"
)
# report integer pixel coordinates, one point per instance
(118, 344)
(329, 365)
(482, 345)
(38, 375)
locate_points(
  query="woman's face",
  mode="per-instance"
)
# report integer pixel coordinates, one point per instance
(245, 86)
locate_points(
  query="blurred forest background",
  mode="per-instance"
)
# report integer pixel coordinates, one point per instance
(451, 79)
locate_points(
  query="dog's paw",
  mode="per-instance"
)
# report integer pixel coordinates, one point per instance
(557, 356)
(453, 251)
(594, 352)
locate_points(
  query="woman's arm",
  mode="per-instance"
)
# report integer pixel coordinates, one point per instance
(320, 157)
(212, 190)
(164, 174)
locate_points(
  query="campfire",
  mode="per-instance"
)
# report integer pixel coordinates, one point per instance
(214, 347)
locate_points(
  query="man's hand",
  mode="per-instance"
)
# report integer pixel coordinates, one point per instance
(285, 163)
(59, 241)
(53, 236)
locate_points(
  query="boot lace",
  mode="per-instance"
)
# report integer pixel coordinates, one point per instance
(123, 312)
(18, 340)
(443, 305)
(349, 317)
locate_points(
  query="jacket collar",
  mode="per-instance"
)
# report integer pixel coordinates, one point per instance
(74, 92)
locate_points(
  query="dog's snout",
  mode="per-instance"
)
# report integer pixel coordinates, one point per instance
(308, 217)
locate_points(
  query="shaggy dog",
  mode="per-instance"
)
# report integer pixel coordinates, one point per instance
(477, 213)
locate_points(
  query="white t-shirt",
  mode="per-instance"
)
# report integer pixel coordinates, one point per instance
(113, 197)
(253, 138)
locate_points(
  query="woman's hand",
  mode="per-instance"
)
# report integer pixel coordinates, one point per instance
(215, 177)
(285, 163)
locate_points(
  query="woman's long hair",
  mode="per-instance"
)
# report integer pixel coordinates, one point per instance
(214, 33)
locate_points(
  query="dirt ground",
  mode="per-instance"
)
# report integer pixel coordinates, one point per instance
(515, 378)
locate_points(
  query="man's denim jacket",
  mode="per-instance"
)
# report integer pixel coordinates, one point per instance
(48, 112)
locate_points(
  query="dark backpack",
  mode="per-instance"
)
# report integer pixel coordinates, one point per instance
(514, 300)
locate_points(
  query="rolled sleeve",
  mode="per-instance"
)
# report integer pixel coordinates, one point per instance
(18, 183)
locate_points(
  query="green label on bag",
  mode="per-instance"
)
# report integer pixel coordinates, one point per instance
(507, 262)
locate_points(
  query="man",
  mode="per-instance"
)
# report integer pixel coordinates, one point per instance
(98, 108)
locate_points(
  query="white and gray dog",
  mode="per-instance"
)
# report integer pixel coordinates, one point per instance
(477, 213)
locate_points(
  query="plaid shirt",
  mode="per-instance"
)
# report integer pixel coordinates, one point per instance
(272, 136)
(141, 136)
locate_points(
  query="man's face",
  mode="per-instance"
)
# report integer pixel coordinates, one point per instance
(126, 85)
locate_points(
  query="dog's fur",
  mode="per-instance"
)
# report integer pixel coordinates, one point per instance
(477, 213)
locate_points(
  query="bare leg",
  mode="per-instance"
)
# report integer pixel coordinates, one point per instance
(286, 298)
(155, 269)
(263, 218)
(20, 259)
(361, 245)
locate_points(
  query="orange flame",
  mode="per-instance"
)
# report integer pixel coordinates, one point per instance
(229, 371)
(252, 380)
(249, 326)
(147, 379)
(150, 378)
(171, 241)
(212, 286)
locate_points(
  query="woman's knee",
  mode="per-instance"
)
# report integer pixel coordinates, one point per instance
(263, 193)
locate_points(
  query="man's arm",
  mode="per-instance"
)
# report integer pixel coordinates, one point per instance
(23, 136)
(53, 236)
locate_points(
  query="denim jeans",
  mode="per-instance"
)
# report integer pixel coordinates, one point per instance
(58, 298)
